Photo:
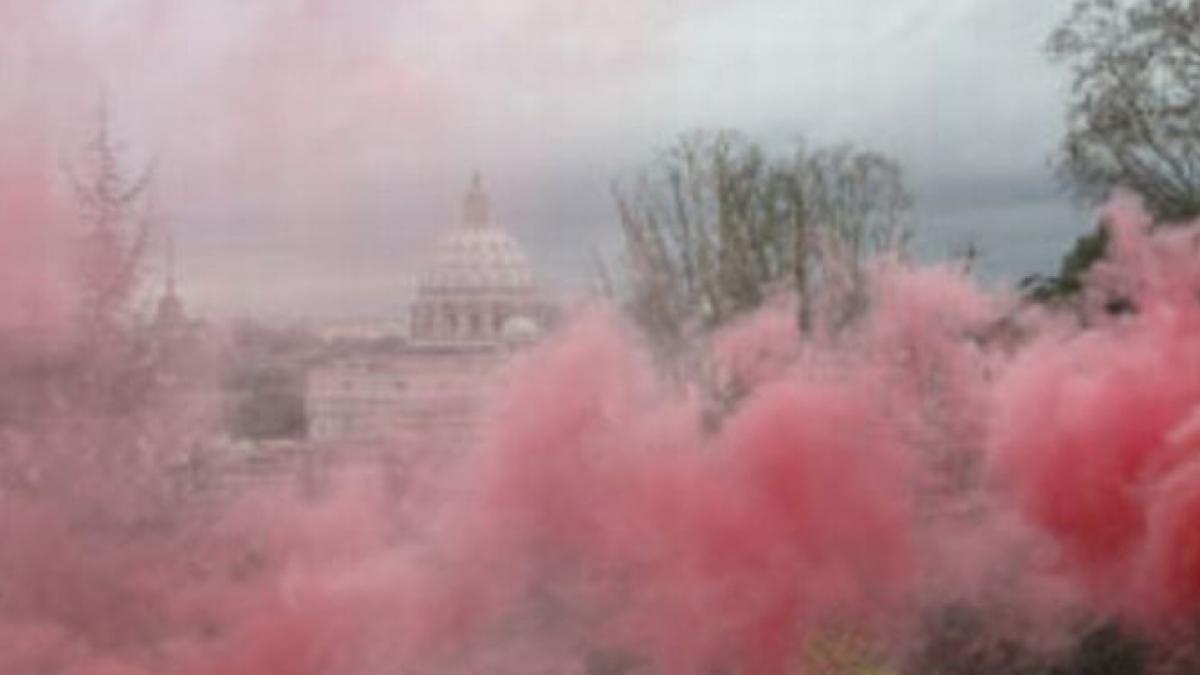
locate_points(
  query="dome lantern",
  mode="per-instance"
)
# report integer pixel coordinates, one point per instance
(476, 207)
(480, 277)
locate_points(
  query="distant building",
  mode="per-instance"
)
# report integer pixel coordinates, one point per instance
(474, 305)
(174, 337)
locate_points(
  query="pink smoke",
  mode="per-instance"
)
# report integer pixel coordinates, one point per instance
(32, 246)
(789, 489)
(1095, 429)
(609, 509)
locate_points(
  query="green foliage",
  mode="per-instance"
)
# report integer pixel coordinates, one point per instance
(1133, 119)
(1075, 264)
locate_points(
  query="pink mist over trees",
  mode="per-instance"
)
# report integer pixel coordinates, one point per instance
(943, 456)
(846, 464)
(1131, 117)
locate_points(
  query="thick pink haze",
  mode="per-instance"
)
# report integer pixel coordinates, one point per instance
(1096, 429)
(29, 292)
(306, 99)
(596, 474)
(944, 449)
(303, 128)
(947, 448)
(34, 241)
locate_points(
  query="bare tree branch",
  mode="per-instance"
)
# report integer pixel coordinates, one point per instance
(715, 225)
(1134, 116)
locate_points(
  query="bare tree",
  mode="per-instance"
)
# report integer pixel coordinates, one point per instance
(856, 202)
(1134, 110)
(715, 225)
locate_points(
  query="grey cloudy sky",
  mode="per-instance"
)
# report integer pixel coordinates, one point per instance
(307, 157)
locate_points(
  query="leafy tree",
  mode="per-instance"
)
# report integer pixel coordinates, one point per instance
(113, 208)
(101, 421)
(1069, 280)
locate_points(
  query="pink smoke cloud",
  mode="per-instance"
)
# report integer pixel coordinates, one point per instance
(1093, 429)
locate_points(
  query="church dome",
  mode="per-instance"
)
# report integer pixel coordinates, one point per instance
(478, 260)
(479, 277)
(479, 256)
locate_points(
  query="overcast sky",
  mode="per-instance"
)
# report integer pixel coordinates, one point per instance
(307, 152)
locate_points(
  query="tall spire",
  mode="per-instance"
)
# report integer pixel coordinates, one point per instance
(476, 207)
(170, 307)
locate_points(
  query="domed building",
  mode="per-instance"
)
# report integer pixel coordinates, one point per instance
(475, 303)
(480, 280)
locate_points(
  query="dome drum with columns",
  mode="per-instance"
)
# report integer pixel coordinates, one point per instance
(475, 304)
(480, 281)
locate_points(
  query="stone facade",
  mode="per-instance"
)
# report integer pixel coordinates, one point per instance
(475, 304)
